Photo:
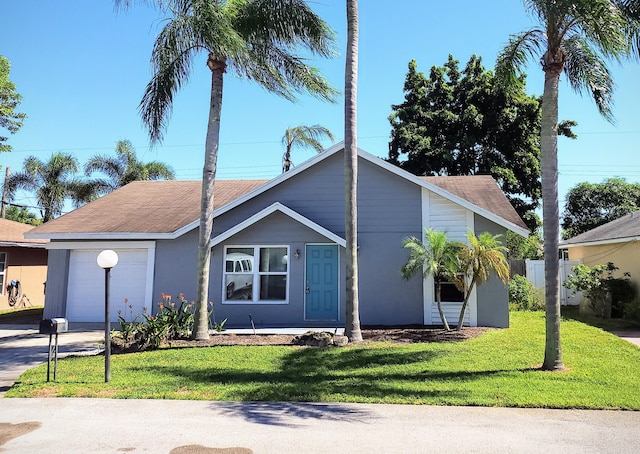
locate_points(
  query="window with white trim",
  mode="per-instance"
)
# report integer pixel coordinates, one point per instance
(258, 274)
(449, 292)
(3, 272)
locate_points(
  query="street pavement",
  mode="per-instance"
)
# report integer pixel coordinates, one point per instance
(64, 425)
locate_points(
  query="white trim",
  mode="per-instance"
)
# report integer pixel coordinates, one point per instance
(27, 245)
(277, 206)
(102, 245)
(629, 239)
(3, 271)
(256, 273)
(107, 236)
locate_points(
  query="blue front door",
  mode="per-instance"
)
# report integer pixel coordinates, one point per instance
(321, 284)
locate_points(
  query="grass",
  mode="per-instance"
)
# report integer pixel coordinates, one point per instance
(499, 368)
(20, 315)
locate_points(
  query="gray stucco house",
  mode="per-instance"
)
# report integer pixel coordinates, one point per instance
(278, 246)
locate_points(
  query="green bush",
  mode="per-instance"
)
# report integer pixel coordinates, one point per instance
(521, 293)
(632, 310)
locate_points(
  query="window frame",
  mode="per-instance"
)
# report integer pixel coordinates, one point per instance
(257, 274)
(3, 271)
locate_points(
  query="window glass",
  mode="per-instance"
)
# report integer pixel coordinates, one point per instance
(273, 287)
(450, 293)
(268, 276)
(273, 259)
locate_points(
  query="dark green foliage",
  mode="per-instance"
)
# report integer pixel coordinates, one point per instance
(463, 123)
(589, 205)
(23, 215)
(9, 101)
(520, 248)
(523, 296)
(632, 311)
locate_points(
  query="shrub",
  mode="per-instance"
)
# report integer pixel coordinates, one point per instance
(632, 310)
(520, 293)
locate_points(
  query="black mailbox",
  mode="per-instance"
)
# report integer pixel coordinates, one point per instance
(54, 325)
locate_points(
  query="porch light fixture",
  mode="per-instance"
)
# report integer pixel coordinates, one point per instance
(296, 254)
(107, 259)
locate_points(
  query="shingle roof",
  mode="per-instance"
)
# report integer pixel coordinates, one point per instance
(627, 226)
(146, 207)
(482, 191)
(12, 234)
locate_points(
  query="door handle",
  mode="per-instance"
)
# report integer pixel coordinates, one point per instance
(307, 291)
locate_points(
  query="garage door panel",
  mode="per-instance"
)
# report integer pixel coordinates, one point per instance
(85, 292)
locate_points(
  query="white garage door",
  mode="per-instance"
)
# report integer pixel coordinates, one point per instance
(85, 291)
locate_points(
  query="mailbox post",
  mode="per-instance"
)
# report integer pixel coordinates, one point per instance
(53, 326)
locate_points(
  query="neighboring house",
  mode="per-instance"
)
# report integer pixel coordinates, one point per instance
(616, 241)
(278, 246)
(22, 261)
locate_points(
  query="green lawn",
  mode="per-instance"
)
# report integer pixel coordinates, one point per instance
(498, 368)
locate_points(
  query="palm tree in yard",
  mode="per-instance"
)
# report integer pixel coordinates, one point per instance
(303, 136)
(258, 40)
(124, 168)
(484, 254)
(352, 311)
(52, 182)
(575, 38)
(437, 257)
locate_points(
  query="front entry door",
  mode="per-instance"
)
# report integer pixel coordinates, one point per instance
(321, 282)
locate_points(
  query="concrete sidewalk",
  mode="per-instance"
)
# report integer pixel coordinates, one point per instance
(188, 427)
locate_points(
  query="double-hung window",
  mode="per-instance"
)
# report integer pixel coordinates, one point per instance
(3, 272)
(258, 274)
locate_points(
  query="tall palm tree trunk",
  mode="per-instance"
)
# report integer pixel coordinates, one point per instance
(201, 322)
(550, 212)
(352, 316)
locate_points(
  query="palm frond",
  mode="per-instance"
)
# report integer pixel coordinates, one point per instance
(586, 70)
(514, 56)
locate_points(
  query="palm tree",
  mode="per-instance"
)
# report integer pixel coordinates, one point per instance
(352, 316)
(124, 168)
(303, 136)
(575, 38)
(437, 257)
(52, 182)
(260, 41)
(483, 255)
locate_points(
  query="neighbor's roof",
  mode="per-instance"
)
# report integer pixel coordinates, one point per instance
(626, 228)
(143, 207)
(12, 234)
(482, 191)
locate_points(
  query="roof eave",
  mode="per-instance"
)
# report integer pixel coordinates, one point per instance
(629, 239)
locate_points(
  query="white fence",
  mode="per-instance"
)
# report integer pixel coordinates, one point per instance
(535, 275)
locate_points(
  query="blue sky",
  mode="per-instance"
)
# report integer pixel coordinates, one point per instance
(82, 68)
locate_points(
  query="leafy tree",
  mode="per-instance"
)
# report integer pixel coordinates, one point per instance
(9, 102)
(574, 37)
(589, 205)
(520, 248)
(437, 257)
(260, 41)
(52, 182)
(124, 168)
(303, 136)
(352, 310)
(464, 123)
(23, 215)
(483, 255)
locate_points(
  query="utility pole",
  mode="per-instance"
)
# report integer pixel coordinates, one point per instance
(5, 189)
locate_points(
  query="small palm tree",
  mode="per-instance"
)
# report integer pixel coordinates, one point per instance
(53, 182)
(574, 37)
(437, 257)
(484, 255)
(303, 136)
(260, 40)
(124, 168)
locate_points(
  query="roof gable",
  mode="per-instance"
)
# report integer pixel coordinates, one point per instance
(626, 228)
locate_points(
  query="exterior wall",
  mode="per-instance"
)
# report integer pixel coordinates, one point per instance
(275, 229)
(493, 295)
(623, 255)
(57, 278)
(29, 266)
(175, 268)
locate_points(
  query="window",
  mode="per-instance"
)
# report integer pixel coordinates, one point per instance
(256, 274)
(449, 293)
(3, 271)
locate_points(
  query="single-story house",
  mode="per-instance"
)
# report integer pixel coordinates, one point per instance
(616, 241)
(278, 248)
(23, 266)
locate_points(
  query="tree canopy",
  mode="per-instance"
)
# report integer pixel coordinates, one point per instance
(303, 137)
(463, 123)
(589, 205)
(9, 102)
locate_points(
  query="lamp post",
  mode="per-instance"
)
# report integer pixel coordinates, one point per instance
(107, 259)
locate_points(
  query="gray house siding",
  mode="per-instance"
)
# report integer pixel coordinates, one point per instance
(175, 267)
(276, 229)
(493, 295)
(57, 278)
